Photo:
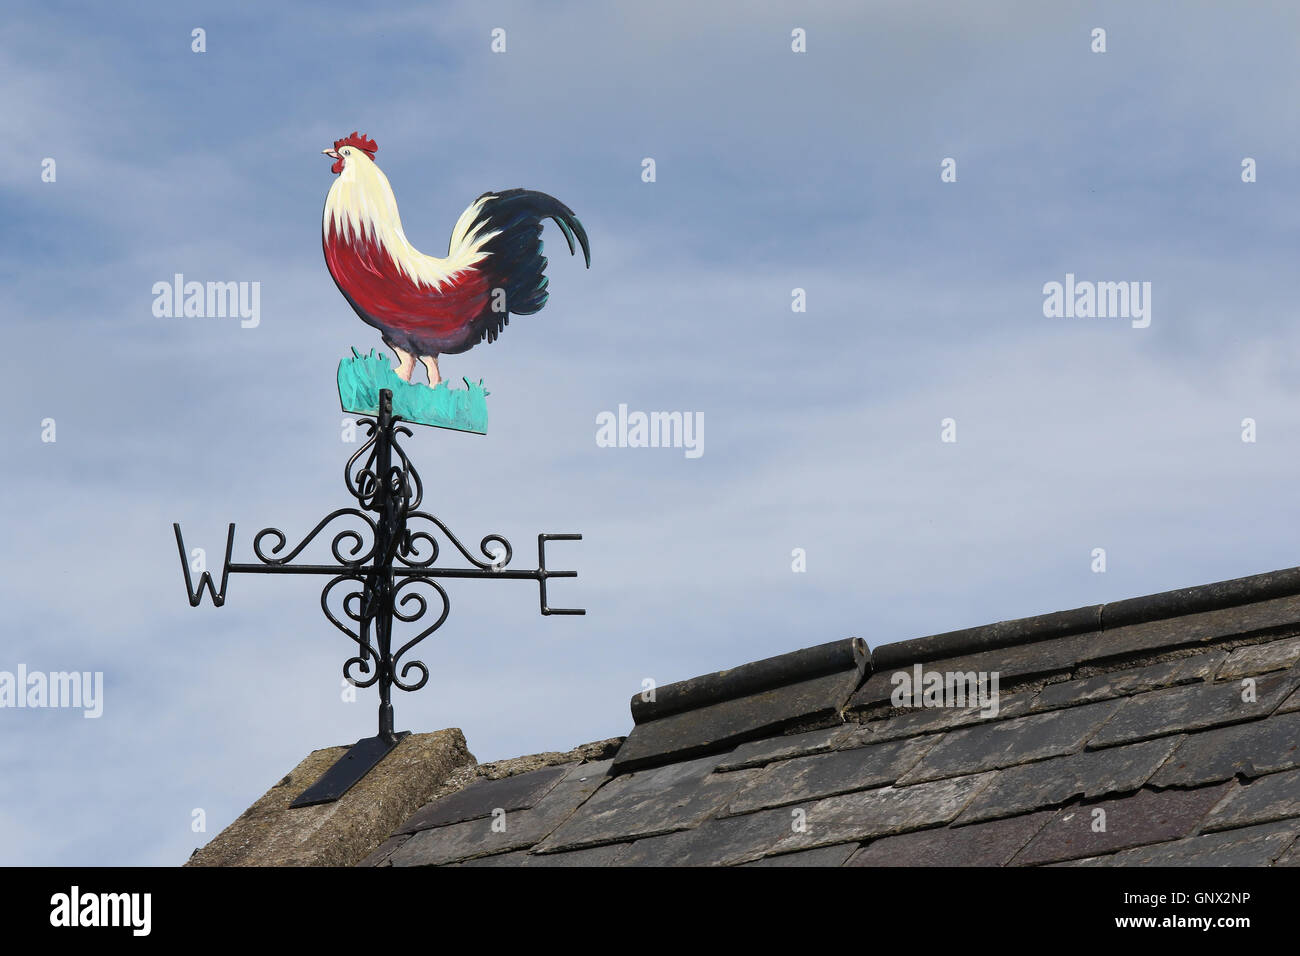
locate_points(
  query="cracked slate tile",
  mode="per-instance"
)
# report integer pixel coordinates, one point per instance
(1254, 749)
(1273, 797)
(1149, 816)
(1006, 743)
(1089, 774)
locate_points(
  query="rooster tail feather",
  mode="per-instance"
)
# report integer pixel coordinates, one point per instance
(515, 262)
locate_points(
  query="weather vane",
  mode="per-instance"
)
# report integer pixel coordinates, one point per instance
(423, 307)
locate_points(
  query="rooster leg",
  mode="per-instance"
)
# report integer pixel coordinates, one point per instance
(407, 365)
(431, 363)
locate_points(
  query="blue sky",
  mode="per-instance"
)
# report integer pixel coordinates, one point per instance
(775, 171)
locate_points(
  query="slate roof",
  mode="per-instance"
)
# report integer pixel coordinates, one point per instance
(1177, 715)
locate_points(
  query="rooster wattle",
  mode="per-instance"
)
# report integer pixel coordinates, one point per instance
(422, 305)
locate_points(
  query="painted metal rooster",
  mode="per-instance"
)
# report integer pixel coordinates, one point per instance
(422, 305)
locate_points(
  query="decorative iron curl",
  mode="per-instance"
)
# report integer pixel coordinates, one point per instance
(412, 490)
(422, 605)
(363, 484)
(494, 561)
(364, 481)
(355, 556)
(361, 636)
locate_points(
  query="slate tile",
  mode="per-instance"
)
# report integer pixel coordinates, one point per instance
(522, 828)
(1254, 749)
(934, 719)
(481, 797)
(985, 844)
(1194, 707)
(875, 690)
(1289, 705)
(1274, 797)
(822, 856)
(649, 802)
(871, 813)
(1122, 683)
(1089, 774)
(1261, 658)
(1005, 743)
(1291, 857)
(758, 753)
(715, 842)
(516, 858)
(822, 775)
(379, 856)
(596, 856)
(1247, 846)
(1149, 816)
(609, 855)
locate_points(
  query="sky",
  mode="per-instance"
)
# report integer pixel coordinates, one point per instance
(824, 429)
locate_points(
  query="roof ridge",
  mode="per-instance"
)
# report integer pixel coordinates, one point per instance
(745, 679)
(1179, 602)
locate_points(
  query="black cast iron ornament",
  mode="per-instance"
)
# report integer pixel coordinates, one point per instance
(383, 579)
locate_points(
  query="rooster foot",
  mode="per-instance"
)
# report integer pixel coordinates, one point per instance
(431, 365)
(406, 366)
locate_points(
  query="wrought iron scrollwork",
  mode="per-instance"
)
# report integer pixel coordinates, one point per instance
(388, 559)
(496, 560)
(355, 557)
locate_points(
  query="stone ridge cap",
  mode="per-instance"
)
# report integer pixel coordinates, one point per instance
(1094, 617)
(783, 670)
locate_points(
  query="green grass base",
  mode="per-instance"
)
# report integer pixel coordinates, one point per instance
(362, 376)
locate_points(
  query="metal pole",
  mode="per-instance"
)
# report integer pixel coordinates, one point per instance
(382, 572)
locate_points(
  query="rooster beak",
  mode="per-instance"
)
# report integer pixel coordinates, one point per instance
(330, 153)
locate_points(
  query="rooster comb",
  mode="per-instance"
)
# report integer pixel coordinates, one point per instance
(364, 143)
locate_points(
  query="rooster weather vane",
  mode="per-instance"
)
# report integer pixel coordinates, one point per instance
(423, 307)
